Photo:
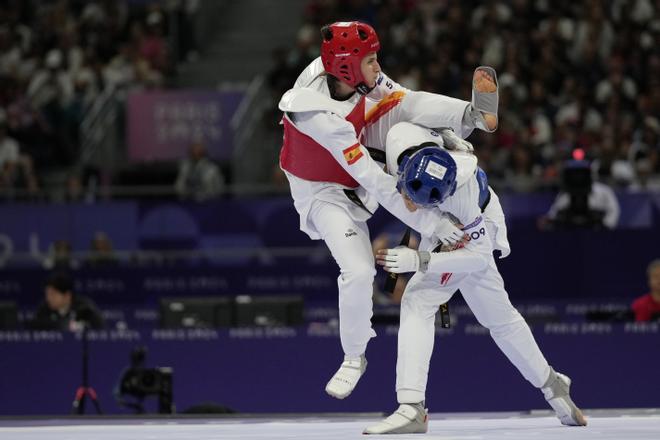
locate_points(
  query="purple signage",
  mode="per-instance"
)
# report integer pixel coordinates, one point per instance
(250, 369)
(162, 125)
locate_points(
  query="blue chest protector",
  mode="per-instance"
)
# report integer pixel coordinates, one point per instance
(484, 192)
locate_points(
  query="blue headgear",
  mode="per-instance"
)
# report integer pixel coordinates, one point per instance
(428, 176)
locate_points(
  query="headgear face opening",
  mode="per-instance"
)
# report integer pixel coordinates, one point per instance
(344, 46)
(427, 177)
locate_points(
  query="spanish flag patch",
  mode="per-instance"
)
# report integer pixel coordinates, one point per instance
(352, 154)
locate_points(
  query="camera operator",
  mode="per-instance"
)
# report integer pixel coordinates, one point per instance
(582, 202)
(64, 310)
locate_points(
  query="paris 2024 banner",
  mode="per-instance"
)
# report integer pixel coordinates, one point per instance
(162, 125)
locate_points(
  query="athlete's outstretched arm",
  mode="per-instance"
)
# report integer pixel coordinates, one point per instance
(338, 136)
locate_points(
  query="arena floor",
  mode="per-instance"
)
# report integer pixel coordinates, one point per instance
(603, 425)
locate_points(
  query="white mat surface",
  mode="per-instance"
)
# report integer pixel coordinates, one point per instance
(442, 427)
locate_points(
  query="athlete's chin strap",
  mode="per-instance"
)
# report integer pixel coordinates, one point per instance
(363, 89)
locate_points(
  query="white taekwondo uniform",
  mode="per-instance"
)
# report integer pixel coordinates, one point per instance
(324, 154)
(471, 269)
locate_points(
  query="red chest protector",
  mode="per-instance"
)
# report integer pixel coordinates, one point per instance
(303, 157)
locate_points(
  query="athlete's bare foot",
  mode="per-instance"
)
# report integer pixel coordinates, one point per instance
(484, 82)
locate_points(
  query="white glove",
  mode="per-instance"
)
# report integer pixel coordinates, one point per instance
(453, 142)
(447, 233)
(398, 260)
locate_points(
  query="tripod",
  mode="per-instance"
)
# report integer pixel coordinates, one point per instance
(84, 389)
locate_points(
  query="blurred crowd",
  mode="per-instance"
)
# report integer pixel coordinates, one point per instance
(571, 75)
(56, 58)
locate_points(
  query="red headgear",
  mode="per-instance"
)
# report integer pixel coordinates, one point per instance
(344, 45)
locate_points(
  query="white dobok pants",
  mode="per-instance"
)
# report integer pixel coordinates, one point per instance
(349, 243)
(484, 293)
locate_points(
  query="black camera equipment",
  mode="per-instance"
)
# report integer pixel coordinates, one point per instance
(576, 181)
(139, 382)
(83, 318)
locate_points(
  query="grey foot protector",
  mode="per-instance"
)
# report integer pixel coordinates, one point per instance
(486, 102)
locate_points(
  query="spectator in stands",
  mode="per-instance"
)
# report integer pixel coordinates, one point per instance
(82, 186)
(16, 171)
(644, 153)
(574, 69)
(59, 257)
(520, 174)
(647, 307)
(152, 45)
(646, 179)
(188, 44)
(199, 178)
(84, 93)
(101, 251)
(56, 57)
(64, 310)
(51, 90)
(8, 155)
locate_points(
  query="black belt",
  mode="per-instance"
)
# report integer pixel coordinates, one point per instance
(353, 197)
(377, 155)
(445, 319)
